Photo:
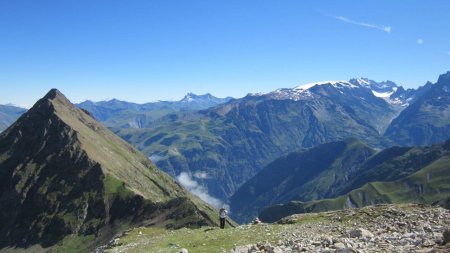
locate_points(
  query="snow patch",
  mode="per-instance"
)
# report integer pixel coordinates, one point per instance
(382, 94)
(363, 81)
(334, 83)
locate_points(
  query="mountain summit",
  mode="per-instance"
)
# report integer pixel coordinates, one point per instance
(65, 178)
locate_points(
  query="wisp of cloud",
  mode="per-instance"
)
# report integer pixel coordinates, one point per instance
(195, 188)
(387, 29)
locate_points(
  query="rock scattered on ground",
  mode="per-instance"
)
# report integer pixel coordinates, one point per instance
(382, 228)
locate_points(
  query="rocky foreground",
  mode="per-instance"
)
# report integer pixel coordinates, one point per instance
(382, 228)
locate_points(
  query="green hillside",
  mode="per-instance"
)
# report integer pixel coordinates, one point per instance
(313, 174)
(427, 185)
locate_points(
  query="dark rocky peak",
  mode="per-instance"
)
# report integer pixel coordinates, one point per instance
(54, 93)
(47, 103)
(42, 116)
(384, 86)
(444, 78)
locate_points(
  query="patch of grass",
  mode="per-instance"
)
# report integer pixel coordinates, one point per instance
(74, 244)
(202, 240)
(114, 186)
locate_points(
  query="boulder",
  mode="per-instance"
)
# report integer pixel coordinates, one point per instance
(446, 236)
(360, 232)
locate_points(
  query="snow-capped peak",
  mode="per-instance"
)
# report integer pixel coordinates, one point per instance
(363, 81)
(385, 86)
(386, 90)
(333, 83)
(304, 91)
(189, 97)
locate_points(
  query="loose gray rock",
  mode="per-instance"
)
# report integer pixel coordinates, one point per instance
(346, 250)
(360, 232)
(446, 236)
(339, 245)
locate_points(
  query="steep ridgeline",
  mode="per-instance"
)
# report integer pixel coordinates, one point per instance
(120, 114)
(317, 173)
(394, 175)
(427, 119)
(67, 181)
(9, 114)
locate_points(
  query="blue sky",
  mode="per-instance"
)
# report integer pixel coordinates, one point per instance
(151, 50)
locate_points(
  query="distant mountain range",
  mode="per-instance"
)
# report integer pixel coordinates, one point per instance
(222, 143)
(230, 143)
(349, 175)
(67, 184)
(9, 114)
(120, 114)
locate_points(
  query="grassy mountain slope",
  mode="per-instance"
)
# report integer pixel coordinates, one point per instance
(69, 183)
(313, 174)
(428, 184)
(234, 141)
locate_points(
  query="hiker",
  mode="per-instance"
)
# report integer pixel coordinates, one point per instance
(256, 221)
(223, 217)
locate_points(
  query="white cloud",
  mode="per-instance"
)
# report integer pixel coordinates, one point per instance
(195, 188)
(155, 158)
(420, 41)
(201, 175)
(387, 29)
